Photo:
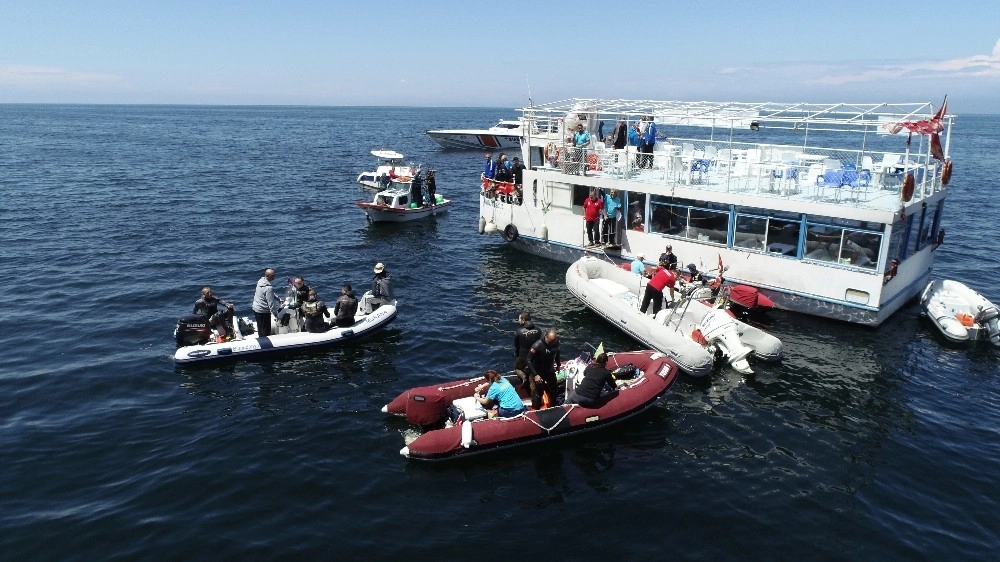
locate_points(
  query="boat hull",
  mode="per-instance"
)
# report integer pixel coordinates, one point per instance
(253, 347)
(471, 436)
(613, 293)
(960, 314)
(382, 213)
(475, 140)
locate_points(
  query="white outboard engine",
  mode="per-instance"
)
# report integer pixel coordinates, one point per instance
(722, 331)
(989, 319)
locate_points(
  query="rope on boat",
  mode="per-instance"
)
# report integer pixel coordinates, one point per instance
(559, 421)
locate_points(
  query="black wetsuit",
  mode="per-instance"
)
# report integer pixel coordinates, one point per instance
(524, 337)
(590, 390)
(542, 361)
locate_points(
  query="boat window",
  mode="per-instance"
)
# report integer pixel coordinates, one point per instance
(403, 200)
(778, 233)
(635, 201)
(896, 242)
(916, 240)
(580, 194)
(686, 218)
(708, 226)
(845, 246)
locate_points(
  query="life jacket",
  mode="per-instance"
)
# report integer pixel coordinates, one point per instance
(310, 308)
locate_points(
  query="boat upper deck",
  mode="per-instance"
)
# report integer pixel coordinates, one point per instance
(841, 154)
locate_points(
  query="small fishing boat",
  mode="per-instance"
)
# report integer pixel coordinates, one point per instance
(960, 313)
(643, 376)
(395, 205)
(197, 342)
(390, 171)
(692, 330)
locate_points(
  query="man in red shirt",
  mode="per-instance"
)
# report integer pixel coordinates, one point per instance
(662, 277)
(592, 207)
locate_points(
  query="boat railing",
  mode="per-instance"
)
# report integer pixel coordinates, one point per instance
(833, 175)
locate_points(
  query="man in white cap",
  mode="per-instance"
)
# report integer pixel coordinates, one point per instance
(637, 266)
(381, 287)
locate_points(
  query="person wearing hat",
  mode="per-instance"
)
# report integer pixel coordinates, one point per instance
(598, 383)
(381, 287)
(637, 266)
(668, 259)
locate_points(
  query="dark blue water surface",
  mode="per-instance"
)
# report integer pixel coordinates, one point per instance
(862, 445)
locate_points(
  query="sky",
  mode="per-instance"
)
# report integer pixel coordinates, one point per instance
(445, 53)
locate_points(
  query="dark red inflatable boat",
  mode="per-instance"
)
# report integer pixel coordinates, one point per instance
(473, 432)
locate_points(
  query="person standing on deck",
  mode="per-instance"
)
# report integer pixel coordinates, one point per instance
(592, 207)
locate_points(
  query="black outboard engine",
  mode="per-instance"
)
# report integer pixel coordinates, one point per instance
(989, 318)
(192, 330)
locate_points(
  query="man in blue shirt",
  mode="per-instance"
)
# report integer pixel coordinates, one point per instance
(637, 266)
(490, 169)
(612, 214)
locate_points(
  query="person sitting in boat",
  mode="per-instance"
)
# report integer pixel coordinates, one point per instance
(543, 360)
(597, 384)
(315, 312)
(346, 307)
(499, 394)
(381, 287)
(637, 266)
(432, 187)
(208, 306)
(525, 336)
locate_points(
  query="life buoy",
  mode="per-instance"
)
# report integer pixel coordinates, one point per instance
(946, 172)
(510, 233)
(908, 182)
(592, 162)
(551, 152)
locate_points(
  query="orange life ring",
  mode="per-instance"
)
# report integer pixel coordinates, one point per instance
(592, 162)
(908, 187)
(946, 172)
(551, 152)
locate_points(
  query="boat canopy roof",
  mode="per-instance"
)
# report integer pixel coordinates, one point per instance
(851, 117)
(387, 154)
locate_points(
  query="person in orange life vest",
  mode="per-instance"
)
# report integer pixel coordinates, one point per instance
(661, 278)
(592, 207)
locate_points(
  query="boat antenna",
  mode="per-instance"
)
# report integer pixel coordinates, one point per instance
(529, 89)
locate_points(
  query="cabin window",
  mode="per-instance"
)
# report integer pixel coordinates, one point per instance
(635, 202)
(685, 218)
(404, 200)
(918, 232)
(845, 246)
(896, 242)
(580, 194)
(773, 231)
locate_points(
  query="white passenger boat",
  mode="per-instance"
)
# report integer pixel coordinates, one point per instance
(810, 203)
(504, 135)
(390, 171)
(690, 331)
(197, 343)
(395, 205)
(960, 313)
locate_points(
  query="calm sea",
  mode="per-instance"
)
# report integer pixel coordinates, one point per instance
(862, 445)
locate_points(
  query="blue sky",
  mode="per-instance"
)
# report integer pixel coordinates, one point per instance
(469, 53)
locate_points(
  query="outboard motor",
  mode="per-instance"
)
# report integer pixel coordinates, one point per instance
(192, 330)
(989, 318)
(722, 331)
